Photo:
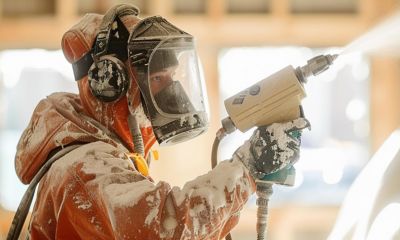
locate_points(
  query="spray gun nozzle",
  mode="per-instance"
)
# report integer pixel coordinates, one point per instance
(315, 66)
(331, 58)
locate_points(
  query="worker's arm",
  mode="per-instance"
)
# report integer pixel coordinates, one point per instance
(94, 192)
(205, 208)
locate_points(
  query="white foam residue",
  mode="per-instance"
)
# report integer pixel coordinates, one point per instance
(170, 223)
(60, 166)
(81, 202)
(182, 121)
(64, 133)
(211, 186)
(111, 217)
(197, 209)
(196, 226)
(243, 155)
(196, 213)
(282, 140)
(112, 121)
(98, 108)
(36, 131)
(104, 163)
(192, 121)
(85, 206)
(127, 194)
(189, 119)
(186, 233)
(78, 154)
(141, 117)
(150, 198)
(279, 135)
(154, 204)
(89, 24)
(97, 166)
(152, 215)
(119, 80)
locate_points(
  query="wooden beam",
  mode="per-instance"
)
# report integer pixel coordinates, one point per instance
(254, 30)
(66, 10)
(280, 9)
(384, 99)
(371, 11)
(1, 9)
(261, 30)
(160, 7)
(45, 32)
(216, 10)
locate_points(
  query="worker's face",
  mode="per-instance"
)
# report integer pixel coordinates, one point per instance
(161, 79)
(168, 92)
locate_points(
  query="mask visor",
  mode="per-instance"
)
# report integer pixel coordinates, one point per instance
(174, 77)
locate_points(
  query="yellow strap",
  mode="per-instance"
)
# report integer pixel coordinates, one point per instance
(140, 163)
(156, 155)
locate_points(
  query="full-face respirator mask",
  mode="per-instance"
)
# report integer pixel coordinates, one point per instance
(169, 79)
(164, 63)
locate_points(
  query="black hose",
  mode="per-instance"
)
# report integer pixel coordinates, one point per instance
(228, 237)
(23, 208)
(214, 152)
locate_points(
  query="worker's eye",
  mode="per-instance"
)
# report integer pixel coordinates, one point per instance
(156, 79)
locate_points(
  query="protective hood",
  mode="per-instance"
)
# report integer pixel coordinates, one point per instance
(77, 42)
(57, 121)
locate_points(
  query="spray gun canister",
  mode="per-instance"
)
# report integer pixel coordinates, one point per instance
(276, 98)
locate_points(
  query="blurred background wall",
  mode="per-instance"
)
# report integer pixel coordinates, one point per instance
(352, 109)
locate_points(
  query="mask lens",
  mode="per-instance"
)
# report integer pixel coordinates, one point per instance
(173, 99)
(174, 78)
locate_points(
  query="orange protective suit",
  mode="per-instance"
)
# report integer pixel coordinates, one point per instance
(95, 191)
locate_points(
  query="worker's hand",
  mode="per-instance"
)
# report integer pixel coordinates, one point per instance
(273, 147)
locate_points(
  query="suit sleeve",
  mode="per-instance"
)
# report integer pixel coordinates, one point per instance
(110, 198)
(205, 208)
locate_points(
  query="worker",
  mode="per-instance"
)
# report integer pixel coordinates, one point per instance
(139, 83)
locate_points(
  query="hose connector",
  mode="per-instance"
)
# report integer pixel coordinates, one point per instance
(264, 192)
(228, 125)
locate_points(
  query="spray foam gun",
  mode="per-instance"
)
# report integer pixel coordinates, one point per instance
(276, 98)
